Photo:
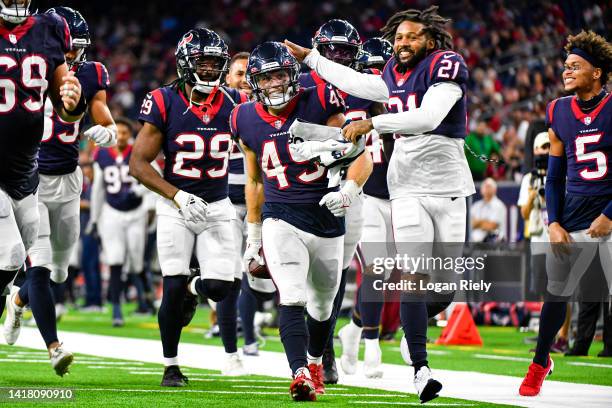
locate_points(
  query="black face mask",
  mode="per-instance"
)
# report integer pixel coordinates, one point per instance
(541, 161)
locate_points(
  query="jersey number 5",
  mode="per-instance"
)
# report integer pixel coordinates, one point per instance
(599, 157)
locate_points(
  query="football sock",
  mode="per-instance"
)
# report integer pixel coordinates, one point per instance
(294, 335)
(140, 291)
(41, 302)
(371, 305)
(319, 332)
(24, 292)
(58, 290)
(413, 314)
(247, 305)
(115, 290)
(336, 310)
(438, 302)
(356, 315)
(170, 314)
(227, 314)
(551, 320)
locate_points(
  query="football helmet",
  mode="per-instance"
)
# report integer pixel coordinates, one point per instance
(266, 59)
(338, 40)
(79, 31)
(192, 52)
(15, 11)
(374, 53)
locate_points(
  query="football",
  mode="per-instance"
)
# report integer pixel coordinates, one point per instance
(259, 271)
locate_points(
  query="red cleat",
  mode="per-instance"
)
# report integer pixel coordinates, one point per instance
(316, 373)
(531, 385)
(302, 388)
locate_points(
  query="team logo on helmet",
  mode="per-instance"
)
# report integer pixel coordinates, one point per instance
(186, 40)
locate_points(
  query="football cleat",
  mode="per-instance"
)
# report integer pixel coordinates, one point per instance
(173, 377)
(14, 315)
(372, 359)
(251, 349)
(330, 371)
(60, 360)
(532, 383)
(404, 351)
(233, 366)
(427, 388)
(350, 336)
(316, 374)
(118, 322)
(302, 388)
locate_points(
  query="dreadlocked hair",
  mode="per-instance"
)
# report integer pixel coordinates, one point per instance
(433, 26)
(596, 46)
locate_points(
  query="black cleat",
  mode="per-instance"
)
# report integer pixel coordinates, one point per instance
(173, 377)
(576, 352)
(330, 372)
(2, 304)
(190, 302)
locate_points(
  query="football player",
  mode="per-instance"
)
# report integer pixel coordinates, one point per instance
(578, 188)
(291, 209)
(424, 86)
(339, 41)
(61, 179)
(31, 69)
(189, 120)
(119, 214)
(366, 316)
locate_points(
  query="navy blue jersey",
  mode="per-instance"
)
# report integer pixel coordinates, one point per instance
(197, 139)
(59, 151)
(118, 184)
(406, 90)
(358, 109)
(236, 175)
(29, 55)
(587, 140)
(292, 189)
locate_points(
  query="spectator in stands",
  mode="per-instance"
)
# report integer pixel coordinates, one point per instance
(488, 216)
(481, 143)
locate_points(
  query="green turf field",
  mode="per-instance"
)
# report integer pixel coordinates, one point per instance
(504, 351)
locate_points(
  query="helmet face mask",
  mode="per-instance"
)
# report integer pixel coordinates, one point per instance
(342, 53)
(272, 73)
(202, 59)
(15, 11)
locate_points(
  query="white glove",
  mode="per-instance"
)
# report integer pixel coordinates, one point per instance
(311, 149)
(103, 136)
(338, 201)
(253, 245)
(193, 208)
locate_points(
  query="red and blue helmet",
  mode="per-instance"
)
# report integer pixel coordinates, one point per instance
(79, 31)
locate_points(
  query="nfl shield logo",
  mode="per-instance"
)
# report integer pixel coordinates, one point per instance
(12, 38)
(206, 118)
(278, 124)
(400, 82)
(587, 120)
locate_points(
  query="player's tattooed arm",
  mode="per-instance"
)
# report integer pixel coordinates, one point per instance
(147, 146)
(104, 131)
(65, 93)
(253, 188)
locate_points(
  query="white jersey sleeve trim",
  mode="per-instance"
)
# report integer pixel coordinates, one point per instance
(366, 86)
(437, 103)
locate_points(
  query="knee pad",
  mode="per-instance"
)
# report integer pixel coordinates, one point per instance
(16, 258)
(215, 289)
(59, 275)
(321, 310)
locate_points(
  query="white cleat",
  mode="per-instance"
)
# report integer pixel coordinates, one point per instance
(350, 336)
(61, 360)
(233, 366)
(251, 349)
(427, 388)
(372, 359)
(14, 315)
(405, 352)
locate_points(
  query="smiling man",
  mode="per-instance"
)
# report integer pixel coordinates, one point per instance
(424, 87)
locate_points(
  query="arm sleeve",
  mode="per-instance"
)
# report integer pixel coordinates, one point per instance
(97, 193)
(555, 188)
(437, 103)
(366, 86)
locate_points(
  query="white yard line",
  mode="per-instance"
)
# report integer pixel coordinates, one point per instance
(506, 358)
(578, 363)
(467, 385)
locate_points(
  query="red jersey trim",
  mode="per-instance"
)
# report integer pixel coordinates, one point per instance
(18, 31)
(282, 117)
(158, 97)
(581, 116)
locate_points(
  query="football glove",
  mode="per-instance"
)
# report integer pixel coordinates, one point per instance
(192, 208)
(338, 201)
(253, 245)
(103, 136)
